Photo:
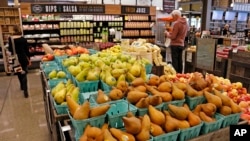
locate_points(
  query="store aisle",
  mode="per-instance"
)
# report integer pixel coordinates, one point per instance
(22, 119)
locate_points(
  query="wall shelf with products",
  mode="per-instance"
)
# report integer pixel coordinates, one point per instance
(8, 20)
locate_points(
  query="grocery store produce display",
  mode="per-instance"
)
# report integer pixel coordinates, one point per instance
(211, 102)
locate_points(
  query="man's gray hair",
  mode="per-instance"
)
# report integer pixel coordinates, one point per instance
(176, 13)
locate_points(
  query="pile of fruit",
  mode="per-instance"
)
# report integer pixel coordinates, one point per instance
(149, 94)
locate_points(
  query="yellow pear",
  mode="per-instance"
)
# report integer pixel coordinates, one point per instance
(225, 99)
(213, 99)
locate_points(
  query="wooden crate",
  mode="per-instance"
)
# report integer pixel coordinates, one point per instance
(220, 67)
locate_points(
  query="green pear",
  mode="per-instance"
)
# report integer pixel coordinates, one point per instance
(61, 74)
(135, 70)
(84, 65)
(121, 78)
(109, 79)
(82, 75)
(130, 77)
(118, 72)
(58, 87)
(60, 96)
(132, 60)
(52, 74)
(84, 57)
(69, 81)
(92, 75)
(74, 70)
(75, 94)
(69, 88)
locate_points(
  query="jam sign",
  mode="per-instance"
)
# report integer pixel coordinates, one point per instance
(135, 10)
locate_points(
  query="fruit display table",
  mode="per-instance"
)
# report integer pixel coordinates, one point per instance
(53, 119)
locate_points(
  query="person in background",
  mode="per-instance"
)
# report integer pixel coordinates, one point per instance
(225, 30)
(22, 51)
(177, 36)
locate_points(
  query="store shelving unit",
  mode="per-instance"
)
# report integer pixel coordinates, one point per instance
(8, 19)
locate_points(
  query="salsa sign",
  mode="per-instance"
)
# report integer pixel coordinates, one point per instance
(66, 8)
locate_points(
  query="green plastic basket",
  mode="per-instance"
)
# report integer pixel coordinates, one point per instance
(87, 96)
(194, 101)
(87, 86)
(47, 70)
(208, 127)
(117, 111)
(79, 125)
(232, 119)
(143, 111)
(49, 64)
(171, 136)
(60, 109)
(189, 133)
(175, 102)
(148, 68)
(105, 86)
(59, 59)
(92, 51)
(53, 82)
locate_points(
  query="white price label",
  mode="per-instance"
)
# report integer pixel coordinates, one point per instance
(189, 57)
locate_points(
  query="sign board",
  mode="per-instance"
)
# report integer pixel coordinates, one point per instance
(135, 10)
(66, 8)
(168, 5)
(205, 53)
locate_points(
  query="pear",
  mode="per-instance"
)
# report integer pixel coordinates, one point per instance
(72, 105)
(134, 96)
(144, 134)
(155, 100)
(93, 75)
(191, 91)
(81, 76)
(60, 96)
(52, 74)
(108, 136)
(117, 72)
(132, 124)
(122, 85)
(137, 82)
(155, 129)
(156, 116)
(143, 74)
(101, 97)
(213, 99)
(180, 113)
(69, 88)
(135, 70)
(116, 94)
(154, 80)
(109, 79)
(193, 119)
(235, 107)
(177, 93)
(58, 87)
(209, 109)
(75, 93)
(121, 135)
(142, 103)
(99, 110)
(82, 112)
(206, 118)
(225, 99)
(130, 77)
(225, 110)
(165, 87)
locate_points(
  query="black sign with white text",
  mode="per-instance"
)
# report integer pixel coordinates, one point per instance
(66, 8)
(135, 10)
(239, 132)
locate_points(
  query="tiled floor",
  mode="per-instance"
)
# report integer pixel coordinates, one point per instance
(22, 119)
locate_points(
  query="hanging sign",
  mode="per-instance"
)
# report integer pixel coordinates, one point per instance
(66, 8)
(168, 5)
(135, 10)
